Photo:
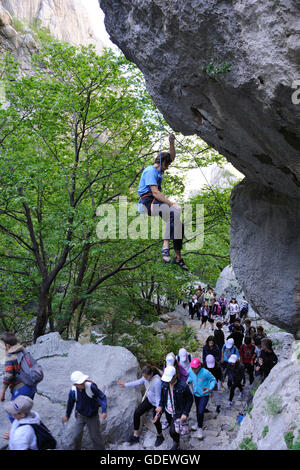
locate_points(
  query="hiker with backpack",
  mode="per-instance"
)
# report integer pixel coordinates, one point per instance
(244, 308)
(183, 359)
(87, 398)
(21, 372)
(228, 349)
(176, 401)
(27, 431)
(223, 303)
(151, 379)
(247, 354)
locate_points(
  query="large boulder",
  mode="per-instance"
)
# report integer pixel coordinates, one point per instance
(250, 114)
(275, 416)
(228, 284)
(105, 365)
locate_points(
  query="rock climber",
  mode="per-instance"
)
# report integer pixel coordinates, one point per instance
(156, 203)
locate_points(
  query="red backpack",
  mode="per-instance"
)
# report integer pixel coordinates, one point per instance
(247, 352)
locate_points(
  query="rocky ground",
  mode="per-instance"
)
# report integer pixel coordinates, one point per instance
(218, 429)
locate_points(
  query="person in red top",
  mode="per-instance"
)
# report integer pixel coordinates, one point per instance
(247, 353)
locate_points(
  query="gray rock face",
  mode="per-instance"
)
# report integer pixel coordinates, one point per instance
(67, 20)
(105, 365)
(265, 253)
(229, 285)
(247, 114)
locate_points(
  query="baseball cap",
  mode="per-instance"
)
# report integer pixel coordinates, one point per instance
(21, 404)
(195, 363)
(170, 359)
(78, 377)
(229, 343)
(182, 353)
(168, 374)
(210, 361)
(233, 359)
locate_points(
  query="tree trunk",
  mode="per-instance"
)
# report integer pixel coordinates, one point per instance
(42, 314)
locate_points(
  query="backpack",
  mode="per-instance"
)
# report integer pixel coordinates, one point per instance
(247, 353)
(31, 372)
(44, 438)
(217, 309)
(189, 358)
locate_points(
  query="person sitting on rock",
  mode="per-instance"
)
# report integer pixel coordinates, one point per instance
(176, 400)
(156, 203)
(151, 379)
(87, 398)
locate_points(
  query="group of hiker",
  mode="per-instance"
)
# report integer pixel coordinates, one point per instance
(170, 390)
(207, 307)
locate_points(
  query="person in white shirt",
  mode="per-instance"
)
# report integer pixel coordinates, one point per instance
(151, 378)
(21, 436)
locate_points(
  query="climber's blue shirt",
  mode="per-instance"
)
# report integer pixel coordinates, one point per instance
(150, 177)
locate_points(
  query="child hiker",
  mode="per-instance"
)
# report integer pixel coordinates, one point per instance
(203, 383)
(151, 378)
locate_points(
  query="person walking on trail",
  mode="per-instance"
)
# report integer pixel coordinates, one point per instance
(211, 347)
(234, 310)
(203, 383)
(215, 369)
(237, 335)
(204, 313)
(176, 400)
(219, 335)
(249, 329)
(244, 308)
(228, 349)
(223, 304)
(247, 354)
(183, 359)
(87, 398)
(21, 435)
(12, 370)
(156, 203)
(236, 375)
(268, 359)
(151, 379)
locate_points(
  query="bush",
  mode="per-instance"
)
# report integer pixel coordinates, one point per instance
(289, 437)
(273, 405)
(265, 431)
(247, 444)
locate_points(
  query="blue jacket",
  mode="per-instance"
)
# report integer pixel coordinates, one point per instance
(204, 379)
(85, 405)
